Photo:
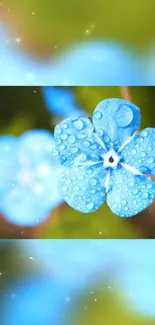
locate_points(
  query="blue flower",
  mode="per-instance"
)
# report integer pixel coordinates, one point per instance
(28, 174)
(61, 101)
(104, 156)
(39, 300)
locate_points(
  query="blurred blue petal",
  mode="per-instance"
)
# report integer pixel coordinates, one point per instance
(90, 63)
(61, 102)
(37, 301)
(28, 199)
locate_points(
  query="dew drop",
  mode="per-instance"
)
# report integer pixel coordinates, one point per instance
(124, 115)
(134, 151)
(76, 188)
(64, 126)
(150, 160)
(124, 202)
(74, 150)
(139, 139)
(71, 139)
(144, 133)
(143, 154)
(81, 177)
(135, 191)
(64, 136)
(86, 143)
(65, 188)
(62, 147)
(90, 206)
(78, 124)
(97, 115)
(145, 195)
(93, 181)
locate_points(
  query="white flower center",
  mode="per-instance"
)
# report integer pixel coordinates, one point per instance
(110, 159)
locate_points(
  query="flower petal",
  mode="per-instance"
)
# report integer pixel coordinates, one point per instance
(140, 152)
(119, 118)
(83, 188)
(74, 137)
(130, 193)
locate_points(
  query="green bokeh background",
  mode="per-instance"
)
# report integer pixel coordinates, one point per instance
(47, 27)
(23, 108)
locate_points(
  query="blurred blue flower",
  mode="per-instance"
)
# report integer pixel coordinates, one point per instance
(28, 178)
(83, 263)
(87, 261)
(105, 156)
(90, 63)
(37, 301)
(61, 102)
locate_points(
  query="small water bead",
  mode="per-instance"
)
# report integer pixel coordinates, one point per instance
(62, 147)
(64, 136)
(81, 177)
(135, 191)
(106, 139)
(74, 150)
(58, 141)
(149, 148)
(124, 202)
(145, 195)
(124, 115)
(150, 160)
(97, 115)
(82, 157)
(132, 183)
(143, 154)
(78, 124)
(144, 133)
(71, 139)
(90, 206)
(65, 188)
(93, 181)
(64, 125)
(81, 135)
(92, 192)
(76, 188)
(58, 130)
(68, 181)
(66, 197)
(139, 139)
(86, 144)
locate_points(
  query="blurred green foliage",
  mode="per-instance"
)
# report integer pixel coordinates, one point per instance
(51, 25)
(105, 305)
(23, 108)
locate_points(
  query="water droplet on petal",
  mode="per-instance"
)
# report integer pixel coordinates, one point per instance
(86, 143)
(150, 160)
(62, 147)
(144, 133)
(74, 149)
(143, 154)
(135, 191)
(124, 115)
(139, 139)
(65, 188)
(90, 206)
(71, 139)
(134, 151)
(76, 188)
(97, 115)
(93, 181)
(64, 136)
(64, 125)
(145, 195)
(78, 124)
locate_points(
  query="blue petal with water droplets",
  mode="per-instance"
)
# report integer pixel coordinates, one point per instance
(140, 152)
(74, 138)
(119, 118)
(83, 188)
(130, 193)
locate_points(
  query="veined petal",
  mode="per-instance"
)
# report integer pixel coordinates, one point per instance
(140, 152)
(130, 193)
(118, 118)
(83, 188)
(74, 137)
